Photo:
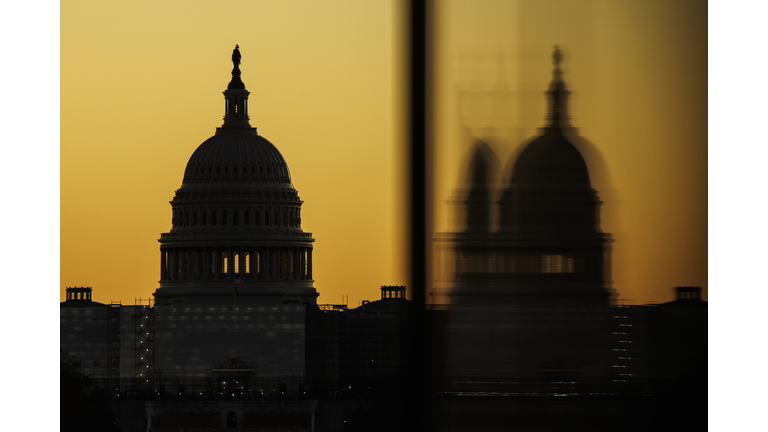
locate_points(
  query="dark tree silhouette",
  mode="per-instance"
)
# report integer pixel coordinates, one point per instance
(84, 407)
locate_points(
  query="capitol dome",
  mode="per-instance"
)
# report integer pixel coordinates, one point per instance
(236, 218)
(549, 191)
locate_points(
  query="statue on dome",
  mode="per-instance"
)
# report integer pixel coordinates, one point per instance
(557, 56)
(236, 56)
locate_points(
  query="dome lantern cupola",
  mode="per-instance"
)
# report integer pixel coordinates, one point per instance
(558, 96)
(236, 102)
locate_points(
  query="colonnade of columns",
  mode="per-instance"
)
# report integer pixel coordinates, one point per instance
(247, 263)
(488, 261)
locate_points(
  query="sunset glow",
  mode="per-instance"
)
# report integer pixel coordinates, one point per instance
(141, 88)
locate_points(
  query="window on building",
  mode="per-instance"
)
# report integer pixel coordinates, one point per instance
(556, 264)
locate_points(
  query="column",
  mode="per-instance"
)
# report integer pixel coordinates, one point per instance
(206, 263)
(309, 262)
(291, 267)
(175, 264)
(162, 265)
(241, 257)
(262, 263)
(184, 263)
(229, 267)
(296, 267)
(301, 263)
(216, 263)
(196, 260)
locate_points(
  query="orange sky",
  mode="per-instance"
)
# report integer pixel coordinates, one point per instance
(142, 82)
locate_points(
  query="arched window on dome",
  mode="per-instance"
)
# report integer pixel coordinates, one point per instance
(234, 217)
(257, 220)
(266, 217)
(194, 218)
(246, 217)
(213, 217)
(223, 217)
(205, 212)
(277, 222)
(235, 169)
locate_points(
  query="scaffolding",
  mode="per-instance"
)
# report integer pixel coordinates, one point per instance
(144, 337)
(113, 346)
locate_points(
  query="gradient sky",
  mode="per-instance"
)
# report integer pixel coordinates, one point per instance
(142, 82)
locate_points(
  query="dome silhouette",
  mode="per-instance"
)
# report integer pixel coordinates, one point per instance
(550, 158)
(236, 219)
(233, 157)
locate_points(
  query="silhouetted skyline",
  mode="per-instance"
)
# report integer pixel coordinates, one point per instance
(331, 103)
(736, 174)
